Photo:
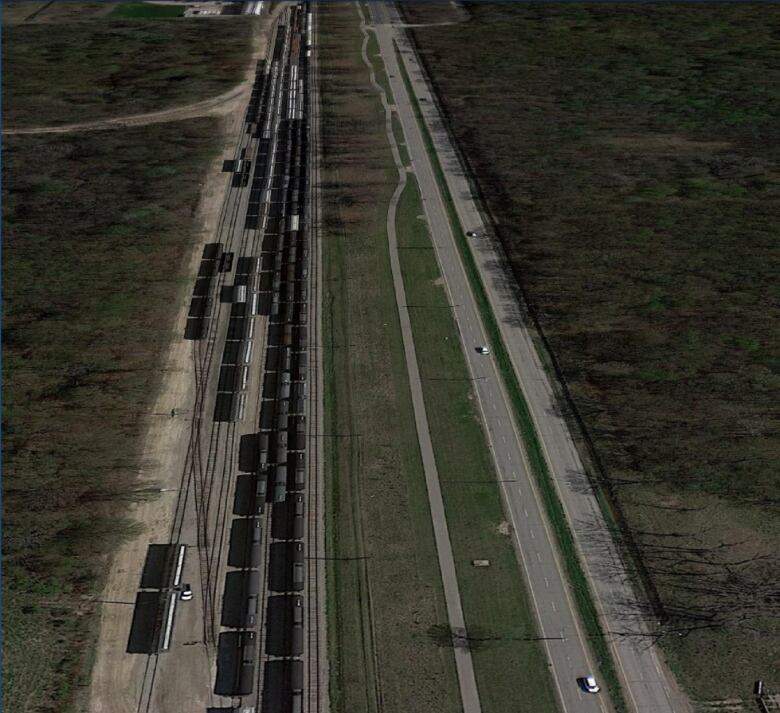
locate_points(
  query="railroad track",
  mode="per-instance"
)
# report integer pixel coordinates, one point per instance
(199, 469)
(289, 121)
(316, 680)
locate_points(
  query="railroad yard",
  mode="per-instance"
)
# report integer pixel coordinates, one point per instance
(228, 613)
(336, 403)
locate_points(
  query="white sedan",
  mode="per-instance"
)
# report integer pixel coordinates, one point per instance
(588, 684)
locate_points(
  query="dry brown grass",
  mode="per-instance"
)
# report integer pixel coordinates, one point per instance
(385, 590)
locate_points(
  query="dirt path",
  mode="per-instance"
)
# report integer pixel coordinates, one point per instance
(221, 105)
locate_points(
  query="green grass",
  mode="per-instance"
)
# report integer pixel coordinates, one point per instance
(384, 587)
(53, 12)
(372, 50)
(499, 616)
(628, 155)
(400, 140)
(100, 68)
(575, 574)
(85, 323)
(134, 10)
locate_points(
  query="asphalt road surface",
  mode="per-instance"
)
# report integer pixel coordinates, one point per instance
(648, 686)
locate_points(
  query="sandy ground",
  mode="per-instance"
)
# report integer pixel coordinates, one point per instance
(117, 676)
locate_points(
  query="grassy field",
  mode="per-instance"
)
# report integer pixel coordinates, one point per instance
(53, 11)
(499, 617)
(143, 10)
(103, 68)
(385, 596)
(638, 204)
(96, 228)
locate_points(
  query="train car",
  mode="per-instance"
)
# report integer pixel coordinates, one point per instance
(298, 521)
(245, 682)
(300, 433)
(280, 483)
(290, 292)
(257, 530)
(301, 370)
(297, 406)
(296, 636)
(247, 353)
(282, 409)
(239, 293)
(263, 450)
(261, 492)
(282, 421)
(298, 569)
(299, 476)
(302, 338)
(253, 596)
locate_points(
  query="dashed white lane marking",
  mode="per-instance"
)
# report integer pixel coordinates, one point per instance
(546, 582)
(552, 603)
(538, 557)
(525, 512)
(531, 532)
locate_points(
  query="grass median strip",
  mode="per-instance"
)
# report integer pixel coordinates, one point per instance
(576, 576)
(384, 588)
(499, 618)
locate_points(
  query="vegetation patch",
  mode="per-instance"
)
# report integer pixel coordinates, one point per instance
(97, 230)
(96, 237)
(384, 586)
(103, 68)
(628, 156)
(499, 618)
(145, 10)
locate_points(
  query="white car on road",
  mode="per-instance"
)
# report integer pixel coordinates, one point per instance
(588, 684)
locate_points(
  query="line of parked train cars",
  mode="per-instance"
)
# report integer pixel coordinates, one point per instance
(276, 285)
